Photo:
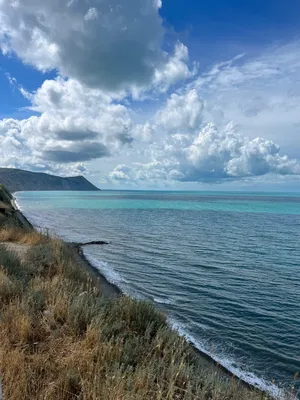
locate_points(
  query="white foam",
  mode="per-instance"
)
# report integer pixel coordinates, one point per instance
(161, 300)
(231, 365)
(110, 274)
(17, 204)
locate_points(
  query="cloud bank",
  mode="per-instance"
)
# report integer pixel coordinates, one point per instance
(76, 124)
(119, 97)
(211, 156)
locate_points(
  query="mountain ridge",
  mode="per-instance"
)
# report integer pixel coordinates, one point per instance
(16, 180)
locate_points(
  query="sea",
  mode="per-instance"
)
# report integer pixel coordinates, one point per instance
(224, 266)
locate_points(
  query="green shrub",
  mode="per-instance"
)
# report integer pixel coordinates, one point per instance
(139, 316)
(83, 309)
(71, 385)
(36, 302)
(9, 289)
(42, 259)
(10, 262)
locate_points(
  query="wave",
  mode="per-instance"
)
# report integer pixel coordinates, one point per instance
(109, 273)
(161, 300)
(16, 203)
(231, 365)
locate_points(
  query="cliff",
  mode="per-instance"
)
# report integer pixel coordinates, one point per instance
(19, 180)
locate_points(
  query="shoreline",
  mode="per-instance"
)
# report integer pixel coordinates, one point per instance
(110, 289)
(21, 217)
(203, 359)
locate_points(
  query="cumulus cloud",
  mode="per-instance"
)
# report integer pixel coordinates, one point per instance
(121, 174)
(182, 112)
(213, 155)
(107, 53)
(17, 152)
(104, 52)
(76, 124)
(176, 69)
(261, 93)
(75, 153)
(102, 43)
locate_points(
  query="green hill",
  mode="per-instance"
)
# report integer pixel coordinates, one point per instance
(18, 180)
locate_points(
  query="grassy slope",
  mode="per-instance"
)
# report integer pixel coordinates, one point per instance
(59, 339)
(5, 196)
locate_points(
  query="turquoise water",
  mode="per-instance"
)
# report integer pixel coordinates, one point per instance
(223, 265)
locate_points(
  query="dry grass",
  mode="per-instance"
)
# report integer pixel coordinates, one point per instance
(12, 233)
(59, 339)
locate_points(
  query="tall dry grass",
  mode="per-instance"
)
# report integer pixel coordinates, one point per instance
(60, 340)
(10, 232)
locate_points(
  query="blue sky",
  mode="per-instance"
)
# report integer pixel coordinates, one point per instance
(13, 104)
(179, 95)
(221, 29)
(244, 22)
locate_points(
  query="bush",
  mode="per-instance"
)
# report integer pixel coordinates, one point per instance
(42, 259)
(83, 309)
(139, 317)
(10, 289)
(36, 302)
(10, 262)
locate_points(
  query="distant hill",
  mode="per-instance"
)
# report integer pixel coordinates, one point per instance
(16, 180)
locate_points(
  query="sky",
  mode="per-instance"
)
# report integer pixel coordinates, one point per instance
(151, 94)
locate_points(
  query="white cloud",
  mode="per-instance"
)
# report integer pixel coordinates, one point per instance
(15, 152)
(176, 69)
(144, 132)
(91, 14)
(120, 174)
(109, 44)
(77, 124)
(182, 112)
(102, 43)
(261, 94)
(107, 53)
(211, 156)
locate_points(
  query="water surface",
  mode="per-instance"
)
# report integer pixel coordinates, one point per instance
(225, 266)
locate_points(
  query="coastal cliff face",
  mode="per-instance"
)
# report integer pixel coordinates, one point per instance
(18, 180)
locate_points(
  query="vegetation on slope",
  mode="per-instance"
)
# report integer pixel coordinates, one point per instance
(18, 180)
(5, 196)
(60, 339)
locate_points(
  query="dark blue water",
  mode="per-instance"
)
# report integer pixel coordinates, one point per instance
(225, 266)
